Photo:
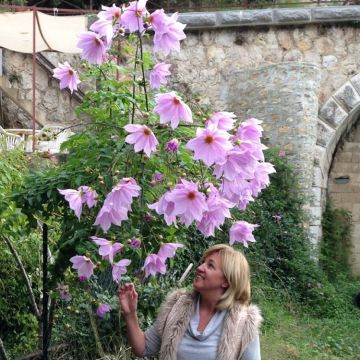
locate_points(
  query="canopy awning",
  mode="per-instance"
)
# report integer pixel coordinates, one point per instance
(57, 33)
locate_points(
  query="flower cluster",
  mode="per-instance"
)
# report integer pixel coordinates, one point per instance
(228, 152)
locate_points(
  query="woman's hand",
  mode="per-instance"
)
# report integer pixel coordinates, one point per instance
(128, 299)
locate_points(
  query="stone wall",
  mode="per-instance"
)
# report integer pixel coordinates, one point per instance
(285, 97)
(210, 57)
(57, 105)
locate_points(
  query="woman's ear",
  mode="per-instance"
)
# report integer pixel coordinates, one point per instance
(225, 285)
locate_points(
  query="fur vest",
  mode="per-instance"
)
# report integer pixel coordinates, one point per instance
(241, 326)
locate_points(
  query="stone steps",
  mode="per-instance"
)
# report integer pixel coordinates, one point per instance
(25, 105)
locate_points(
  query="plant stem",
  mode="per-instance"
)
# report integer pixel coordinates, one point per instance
(143, 73)
(134, 80)
(26, 278)
(94, 328)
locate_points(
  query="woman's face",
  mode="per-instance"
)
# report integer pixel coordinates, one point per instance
(209, 275)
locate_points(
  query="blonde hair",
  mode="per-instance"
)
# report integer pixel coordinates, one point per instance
(237, 273)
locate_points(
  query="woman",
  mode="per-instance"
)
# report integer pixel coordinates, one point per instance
(214, 322)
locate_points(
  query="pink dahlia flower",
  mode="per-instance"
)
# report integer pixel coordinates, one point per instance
(250, 129)
(122, 194)
(74, 197)
(237, 163)
(133, 16)
(154, 264)
(237, 191)
(166, 208)
(135, 243)
(112, 13)
(172, 109)
(261, 177)
(167, 250)
(107, 249)
(119, 269)
(158, 75)
(67, 76)
(223, 120)
(214, 217)
(172, 146)
(108, 215)
(89, 196)
(168, 35)
(64, 292)
(77, 197)
(210, 145)
(189, 203)
(159, 20)
(143, 138)
(102, 310)
(157, 178)
(241, 231)
(93, 47)
(84, 266)
(105, 30)
(253, 149)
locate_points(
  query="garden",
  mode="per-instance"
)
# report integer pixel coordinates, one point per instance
(150, 179)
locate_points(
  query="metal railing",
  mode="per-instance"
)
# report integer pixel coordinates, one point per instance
(171, 6)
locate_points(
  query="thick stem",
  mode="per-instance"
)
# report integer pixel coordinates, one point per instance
(143, 73)
(94, 328)
(134, 81)
(25, 276)
(3, 351)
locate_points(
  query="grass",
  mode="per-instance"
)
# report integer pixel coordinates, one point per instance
(289, 334)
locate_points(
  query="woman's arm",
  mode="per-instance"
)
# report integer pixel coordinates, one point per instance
(128, 298)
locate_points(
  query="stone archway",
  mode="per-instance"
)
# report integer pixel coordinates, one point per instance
(336, 118)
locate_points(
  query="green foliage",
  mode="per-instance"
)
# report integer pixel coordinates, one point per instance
(18, 326)
(281, 255)
(336, 241)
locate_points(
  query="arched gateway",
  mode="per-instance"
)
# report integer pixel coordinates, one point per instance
(337, 161)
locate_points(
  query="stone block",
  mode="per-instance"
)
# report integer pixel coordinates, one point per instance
(317, 177)
(356, 212)
(332, 113)
(355, 81)
(257, 17)
(229, 18)
(324, 133)
(198, 20)
(348, 97)
(343, 13)
(316, 196)
(315, 215)
(291, 16)
(344, 156)
(329, 61)
(352, 147)
(315, 237)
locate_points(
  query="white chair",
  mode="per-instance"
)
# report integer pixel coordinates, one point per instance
(9, 141)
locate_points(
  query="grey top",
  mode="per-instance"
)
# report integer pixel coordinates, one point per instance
(199, 345)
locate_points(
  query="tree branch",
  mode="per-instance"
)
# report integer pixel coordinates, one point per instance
(25, 276)
(3, 354)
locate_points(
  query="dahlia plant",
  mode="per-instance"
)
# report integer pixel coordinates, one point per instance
(168, 167)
